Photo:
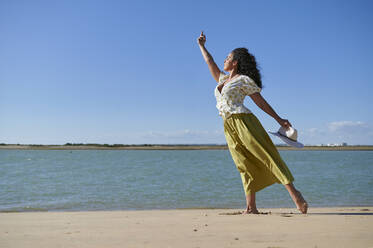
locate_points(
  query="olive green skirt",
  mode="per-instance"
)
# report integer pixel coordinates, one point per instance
(254, 153)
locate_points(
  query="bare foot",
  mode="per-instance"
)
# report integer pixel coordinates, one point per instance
(302, 205)
(250, 211)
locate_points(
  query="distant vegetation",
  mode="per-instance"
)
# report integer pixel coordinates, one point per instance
(110, 145)
(127, 145)
(95, 144)
(83, 146)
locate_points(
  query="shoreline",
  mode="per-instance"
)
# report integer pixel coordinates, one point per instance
(174, 147)
(275, 227)
(294, 210)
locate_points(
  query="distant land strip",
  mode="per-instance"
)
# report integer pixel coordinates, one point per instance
(80, 146)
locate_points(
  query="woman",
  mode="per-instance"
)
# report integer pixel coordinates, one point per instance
(253, 152)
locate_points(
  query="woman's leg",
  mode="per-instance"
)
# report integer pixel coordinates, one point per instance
(251, 205)
(297, 198)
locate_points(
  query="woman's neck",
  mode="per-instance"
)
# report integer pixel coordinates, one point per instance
(233, 73)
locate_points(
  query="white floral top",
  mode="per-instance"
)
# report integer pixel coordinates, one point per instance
(230, 100)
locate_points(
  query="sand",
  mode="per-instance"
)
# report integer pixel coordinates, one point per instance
(322, 227)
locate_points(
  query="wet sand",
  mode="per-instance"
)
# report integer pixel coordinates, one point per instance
(321, 227)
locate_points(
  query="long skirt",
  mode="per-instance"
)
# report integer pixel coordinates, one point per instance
(254, 153)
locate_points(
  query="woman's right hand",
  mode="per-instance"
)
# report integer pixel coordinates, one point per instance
(284, 123)
(201, 39)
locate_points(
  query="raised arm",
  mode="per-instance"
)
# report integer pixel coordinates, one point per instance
(262, 103)
(214, 69)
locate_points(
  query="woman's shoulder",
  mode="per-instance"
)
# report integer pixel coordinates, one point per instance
(249, 85)
(248, 80)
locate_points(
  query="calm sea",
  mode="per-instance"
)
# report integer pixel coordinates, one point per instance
(63, 180)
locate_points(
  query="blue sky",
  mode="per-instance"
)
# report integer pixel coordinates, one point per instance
(131, 71)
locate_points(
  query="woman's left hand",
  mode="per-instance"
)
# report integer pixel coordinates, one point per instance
(284, 123)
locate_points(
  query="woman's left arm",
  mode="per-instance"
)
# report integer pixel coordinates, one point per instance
(262, 103)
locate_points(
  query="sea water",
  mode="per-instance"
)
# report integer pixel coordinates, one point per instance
(81, 180)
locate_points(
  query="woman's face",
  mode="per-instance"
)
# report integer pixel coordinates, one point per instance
(229, 63)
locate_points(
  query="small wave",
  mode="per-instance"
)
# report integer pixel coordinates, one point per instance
(23, 209)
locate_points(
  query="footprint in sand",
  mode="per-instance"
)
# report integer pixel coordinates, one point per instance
(240, 213)
(286, 215)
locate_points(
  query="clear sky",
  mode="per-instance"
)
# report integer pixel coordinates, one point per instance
(131, 72)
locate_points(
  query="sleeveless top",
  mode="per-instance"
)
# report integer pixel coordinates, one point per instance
(231, 98)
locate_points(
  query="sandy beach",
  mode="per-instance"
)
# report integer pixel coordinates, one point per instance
(321, 227)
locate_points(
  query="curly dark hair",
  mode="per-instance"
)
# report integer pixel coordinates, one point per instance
(247, 65)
